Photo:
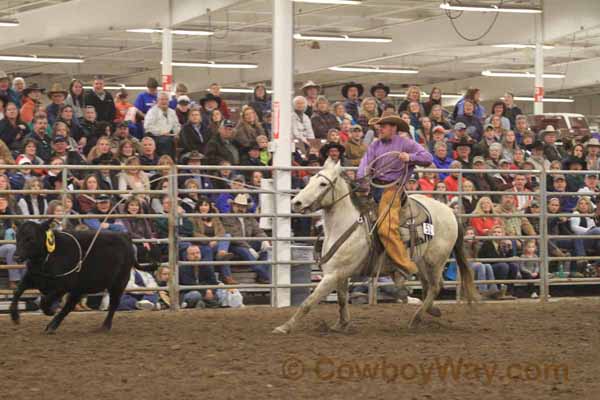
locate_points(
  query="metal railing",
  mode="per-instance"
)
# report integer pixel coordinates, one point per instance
(173, 239)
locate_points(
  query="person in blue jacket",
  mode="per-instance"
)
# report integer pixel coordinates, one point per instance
(144, 102)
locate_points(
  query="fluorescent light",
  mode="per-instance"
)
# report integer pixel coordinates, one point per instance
(212, 64)
(521, 46)
(187, 32)
(519, 74)
(490, 8)
(238, 90)
(444, 96)
(375, 70)
(119, 87)
(342, 38)
(9, 22)
(342, 2)
(41, 59)
(545, 100)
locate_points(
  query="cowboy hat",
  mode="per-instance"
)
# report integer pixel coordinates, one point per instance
(394, 119)
(3, 75)
(574, 160)
(349, 85)
(57, 88)
(537, 144)
(324, 151)
(210, 97)
(380, 85)
(593, 142)
(192, 155)
(308, 85)
(549, 130)
(241, 200)
(31, 88)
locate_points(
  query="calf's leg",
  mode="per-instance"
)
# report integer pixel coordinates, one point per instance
(69, 306)
(24, 284)
(115, 297)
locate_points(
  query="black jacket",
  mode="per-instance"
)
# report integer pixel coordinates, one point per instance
(191, 139)
(105, 109)
(13, 135)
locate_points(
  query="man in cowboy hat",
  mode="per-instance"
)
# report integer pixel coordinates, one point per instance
(310, 90)
(352, 92)
(247, 227)
(6, 91)
(31, 101)
(57, 95)
(332, 150)
(387, 168)
(592, 148)
(380, 92)
(551, 150)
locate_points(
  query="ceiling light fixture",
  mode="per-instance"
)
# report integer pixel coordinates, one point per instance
(213, 64)
(340, 2)
(444, 95)
(545, 100)
(375, 70)
(186, 32)
(521, 46)
(238, 90)
(119, 87)
(42, 59)
(490, 8)
(519, 74)
(9, 22)
(342, 38)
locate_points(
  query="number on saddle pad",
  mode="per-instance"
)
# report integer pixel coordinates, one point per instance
(428, 229)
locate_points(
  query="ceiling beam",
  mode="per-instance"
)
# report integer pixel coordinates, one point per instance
(87, 17)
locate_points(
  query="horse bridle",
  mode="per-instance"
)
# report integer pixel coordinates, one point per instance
(330, 189)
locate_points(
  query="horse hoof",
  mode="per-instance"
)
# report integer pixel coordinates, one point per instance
(50, 332)
(415, 322)
(339, 327)
(434, 311)
(282, 330)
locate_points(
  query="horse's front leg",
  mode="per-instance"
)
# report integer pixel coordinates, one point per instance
(342, 298)
(24, 284)
(326, 286)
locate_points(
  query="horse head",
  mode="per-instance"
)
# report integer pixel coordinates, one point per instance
(320, 192)
(32, 240)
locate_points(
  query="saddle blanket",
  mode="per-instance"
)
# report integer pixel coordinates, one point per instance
(416, 225)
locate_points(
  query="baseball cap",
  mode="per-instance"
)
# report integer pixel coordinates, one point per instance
(559, 177)
(227, 123)
(478, 159)
(183, 99)
(59, 139)
(439, 128)
(123, 124)
(489, 126)
(504, 161)
(24, 161)
(103, 197)
(239, 178)
(459, 126)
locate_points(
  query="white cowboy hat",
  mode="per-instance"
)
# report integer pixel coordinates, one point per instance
(241, 200)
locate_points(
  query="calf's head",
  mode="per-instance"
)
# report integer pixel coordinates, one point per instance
(31, 241)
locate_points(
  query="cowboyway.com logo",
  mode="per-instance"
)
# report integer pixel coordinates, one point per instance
(445, 369)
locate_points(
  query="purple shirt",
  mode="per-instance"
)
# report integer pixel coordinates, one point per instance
(391, 167)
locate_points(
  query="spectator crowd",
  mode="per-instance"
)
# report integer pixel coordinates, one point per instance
(75, 126)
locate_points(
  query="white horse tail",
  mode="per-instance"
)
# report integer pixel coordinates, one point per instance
(467, 283)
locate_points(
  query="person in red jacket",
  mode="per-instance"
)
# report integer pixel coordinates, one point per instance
(483, 225)
(215, 89)
(428, 181)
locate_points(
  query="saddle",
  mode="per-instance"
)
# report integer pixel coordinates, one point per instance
(416, 228)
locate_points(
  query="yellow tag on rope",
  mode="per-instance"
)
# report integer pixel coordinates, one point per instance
(50, 241)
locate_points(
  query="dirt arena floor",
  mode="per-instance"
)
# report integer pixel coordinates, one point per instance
(494, 351)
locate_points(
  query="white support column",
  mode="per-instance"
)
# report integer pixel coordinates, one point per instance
(167, 60)
(538, 94)
(283, 86)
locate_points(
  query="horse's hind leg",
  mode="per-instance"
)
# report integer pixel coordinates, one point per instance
(326, 286)
(433, 289)
(342, 294)
(69, 306)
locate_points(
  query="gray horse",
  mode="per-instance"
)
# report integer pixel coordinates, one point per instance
(328, 191)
